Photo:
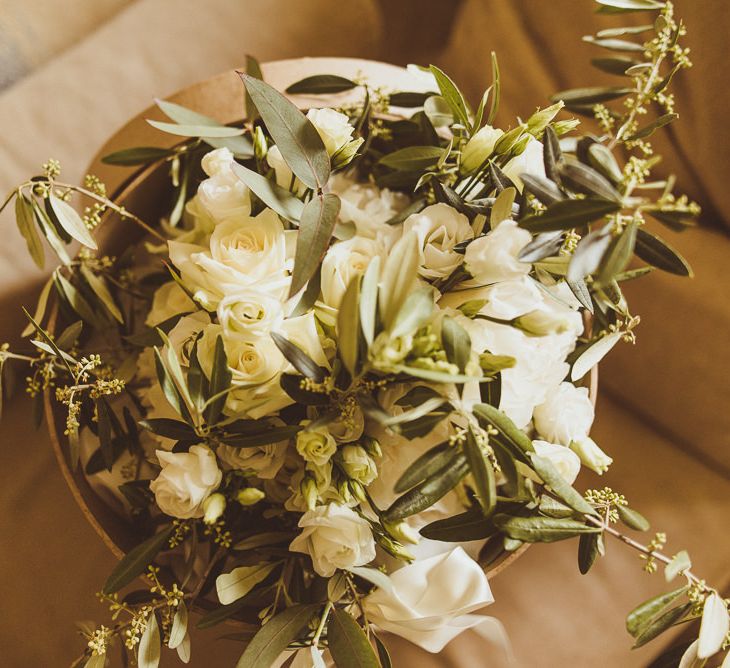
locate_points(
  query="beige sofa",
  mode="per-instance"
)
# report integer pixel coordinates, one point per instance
(662, 412)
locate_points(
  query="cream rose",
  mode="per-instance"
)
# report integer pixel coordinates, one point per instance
(343, 261)
(265, 460)
(333, 127)
(334, 537)
(563, 459)
(250, 313)
(493, 257)
(168, 301)
(430, 601)
(186, 480)
(439, 228)
(243, 252)
(358, 464)
(566, 415)
(316, 445)
(222, 194)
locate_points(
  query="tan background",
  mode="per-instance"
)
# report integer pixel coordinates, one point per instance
(73, 71)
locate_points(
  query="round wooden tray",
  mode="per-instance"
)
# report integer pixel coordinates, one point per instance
(138, 190)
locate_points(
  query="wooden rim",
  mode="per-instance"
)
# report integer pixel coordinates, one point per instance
(214, 98)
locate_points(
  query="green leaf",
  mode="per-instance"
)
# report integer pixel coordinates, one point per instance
(140, 155)
(416, 311)
(453, 96)
(348, 326)
(661, 624)
(369, 300)
(202, 131)
(383, 654)
(502, 207)
(408, 99)
(588, 254)
(541, 529)
(560, 487)
(148, 653)
(135, 562)
(425, 466)
(471, 525)
(274, 196)
(641, 616)
(298, 140)
(168, 428)
(496, 89)
(593, 355)
(27, 227)
(316, 225)
(589, 547)
(617, 65)
(179, 626)
(75, 300)
(412, 158)
(489, 415)
(603, 160)
(680, 562)
(658, 253)
(439, 376)
(321, 84)
(99, 288)
(590, 95)
(633, 5)
(552, 158)
(618, 254)
(263, 540)
(438, 111)
(651, 128)
(70, 221)
(302, 362)
(348, 643)
(483, 474)
(266, 437)
(568, 214)
(633, 519)
(425, 494)
(274, 636)
(615, 44)
(456, 343)
(236, 584)
(220, 382)
(105, 432)
(584, 179)
(398, 276)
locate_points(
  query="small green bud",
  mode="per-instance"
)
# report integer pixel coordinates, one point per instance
(213, 507)
(509, 139)
(493, 363)
(403, 532)
(564, 127)
(308, 488)
(249, 496)
(472, 307)
(542, 117)
(479, 148)
(541, 323)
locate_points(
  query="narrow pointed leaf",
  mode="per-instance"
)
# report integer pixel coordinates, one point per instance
(202, 131)
(568, 214)
(135, 562)
(70, 221)
(658, 253)
(321, 84)
(149, 651)
(348, 643)
(27, 227)
(641, 616)
(236, 584)
(483, 474)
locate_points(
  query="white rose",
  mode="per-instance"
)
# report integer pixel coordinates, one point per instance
(479, 148)
(223, 194)
(243, 252)
(316, 445)
(333, 127)
(439, 228)
(566, 415)
(430, 601)
(369, 208)
(350, 428)
(186, 480)
(358, 464)
(265, 460)
(309, 485)
(591, 455)
(251, 313)
(530, 161)
(563, 459)
(169, 300)
(493, 257)
(343, 261)
(334, 537)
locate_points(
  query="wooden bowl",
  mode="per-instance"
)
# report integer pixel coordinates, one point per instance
(138, 191)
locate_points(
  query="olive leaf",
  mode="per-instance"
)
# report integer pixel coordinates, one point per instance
(316, 225)
(588, 254)
(140, 155)
(149, 650)
(642, 615)
(302, 362)
(321, 84)
(100, 289)
(453, 96)
(661, 624)
(714, 626)
(71, 222)
(658, 253)
(482, 472)
(412, 158)
(298, 140)
(633, 519)
(398, 276)
(651, 128)
(27, 227)
(593, 355)
(196, 130)
(220, 382)
(425, 466)
(618, 254)
(471, 525)
(179, 626)
(580, 96)
(369, 299)
(348, 643)
(559, 486)
(348, 326)
(489, 415)
(568, 214)
(590, 545)
(613, 44)
(617, 65)
(541, 529)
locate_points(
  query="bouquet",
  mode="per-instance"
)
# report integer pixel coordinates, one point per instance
(349, 369)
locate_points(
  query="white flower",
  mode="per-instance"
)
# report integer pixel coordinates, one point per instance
(169, 300)
(430, 600)
(543, 322)
(243, 252)
(479, 148)
(563, 459)
(439, 228)
(186, 480)
(343, 261)
(566, 415)
(530, 161)
(350, 428)
(493, 257)
(223, 194)
(358, 464)
(264, 460)
(591, 455)
(284, 176)
(333, 127)
(334, 537)
(316, 445)
(250, 312)
(369, 208)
